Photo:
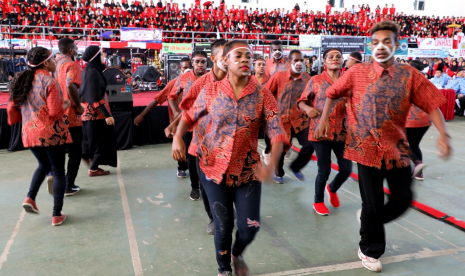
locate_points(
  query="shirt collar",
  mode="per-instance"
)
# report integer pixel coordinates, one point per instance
(248, 89)
(289, 75)
(327, 77)
(379, 69)
(43, 72)
(279, 61)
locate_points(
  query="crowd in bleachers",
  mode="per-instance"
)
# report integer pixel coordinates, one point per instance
(205, 20)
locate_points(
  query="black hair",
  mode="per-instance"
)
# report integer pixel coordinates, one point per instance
(461, 68)
(357, 56)
(65, 44)
(231, 44)
(185, 59)
(199, 53)
(386, 25)
(417, 65)
(329, 50)
(277, 43)
(217, 44)
(294, 52)
(21, 86)
(259, 59)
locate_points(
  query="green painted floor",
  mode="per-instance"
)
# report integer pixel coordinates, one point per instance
(164, 231)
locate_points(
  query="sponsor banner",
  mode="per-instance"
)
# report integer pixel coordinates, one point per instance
(306, 51)
(430, 53)
(310, 41)
(177, 48)
(346, 44)
(435, 43)
(16, 43)
(401, 51)
(142, 35)
(457, 53)
(53, 44)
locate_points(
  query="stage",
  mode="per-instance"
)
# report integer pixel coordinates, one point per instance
(151, 131)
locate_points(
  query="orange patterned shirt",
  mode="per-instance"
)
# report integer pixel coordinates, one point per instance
(315, 91)
(183, 84)
(67, 72)
(229, 148)
(378, 105)
(273, 67)
(92, 111)
(417, 118)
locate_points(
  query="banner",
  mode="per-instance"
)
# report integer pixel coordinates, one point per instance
(310, 41)
(306, 51)
(54, 44)
(401, 51)
(346, 44)
(177, 48)
(142, 34)
(16, 43)
(429, 53)
(435, 43)
(457, 53)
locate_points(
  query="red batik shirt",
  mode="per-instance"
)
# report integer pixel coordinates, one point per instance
(183, 84)
(287, 91)
(379, 101)
(200, 128)
(264, 79)
(41, 114)
(315, 91)
(92, 111)
(280, 66)
(229, 148)
(67, 72)
(417, 118)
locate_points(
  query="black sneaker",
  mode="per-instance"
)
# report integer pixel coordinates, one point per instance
(72, 191)
(195, 194)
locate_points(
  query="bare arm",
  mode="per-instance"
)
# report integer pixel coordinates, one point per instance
(73, 93)
(174, 107)
(146, 110)
(444, 143)
(171, 129)
(178, 147)
(322, 129)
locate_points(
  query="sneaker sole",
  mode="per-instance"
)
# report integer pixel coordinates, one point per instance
(321, 214)
(182, 176)
(29, 208)
(277, 182)
(418, 169)
(418, 178)
(365, 266)
(329, 196)
(57, 224)
(194, 199)
(71, 194)
(50, 185)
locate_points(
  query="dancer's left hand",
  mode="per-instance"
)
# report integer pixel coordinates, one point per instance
(265, 174)
(444, 146)
(178, 149)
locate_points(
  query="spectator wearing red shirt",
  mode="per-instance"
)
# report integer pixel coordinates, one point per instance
(229, 162)
(376, 137)
(36, 101)
(385, 10)
(328, 8)
(68, 75)
(287, 88)
(392, 10)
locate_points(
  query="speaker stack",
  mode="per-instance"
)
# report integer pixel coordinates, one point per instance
(119, 92)
(146, 77)
(173, 64)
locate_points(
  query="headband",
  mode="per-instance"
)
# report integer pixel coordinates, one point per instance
(332, 52)
(199, 58)
(351, 57)
(95, 55)
(236, 48)
(39, 64)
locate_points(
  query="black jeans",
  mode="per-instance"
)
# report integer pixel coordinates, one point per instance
(246, 199)
(414, 136)
(50, 159)
(374, 212)
(268, 144)
(462, 106)
(323, 152)
(206, 203)
(74, 156)
(190, 164)
(304, 156)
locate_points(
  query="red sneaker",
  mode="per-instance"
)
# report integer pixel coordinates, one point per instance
(98, 172)
(320, 209)
(58, 220)
(30, 206)
(240, 266)
(333, 198)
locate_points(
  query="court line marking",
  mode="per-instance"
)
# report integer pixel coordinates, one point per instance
(426, 253)
(8, 245)
(129, 226)
(453, 157)
(449, 124)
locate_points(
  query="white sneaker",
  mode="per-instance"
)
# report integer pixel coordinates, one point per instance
(418, 168)
(369, 263)
(266, 157)
(288, 154)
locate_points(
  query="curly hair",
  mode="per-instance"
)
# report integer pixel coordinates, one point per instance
(21, 85)
(386, 25)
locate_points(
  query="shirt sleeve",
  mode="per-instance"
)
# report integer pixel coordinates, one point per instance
(163, 95)
(173, 95)
(343, 86)
(190, 97)
(272, 85)
(424, 94)
(14, 113)
(55, 100)
(273, 128)
(197, 110)
(308, 93)
(73, 75)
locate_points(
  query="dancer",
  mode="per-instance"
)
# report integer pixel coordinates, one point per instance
(312, 103)
(352, 59)
(182, 85)
(36, 101)
(68, 74)
(229, 161)
(99, 139)
(259, 68)
(287, 88)
(376, 137)
(163, 95)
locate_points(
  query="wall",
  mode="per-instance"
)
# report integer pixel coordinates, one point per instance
(432, 7)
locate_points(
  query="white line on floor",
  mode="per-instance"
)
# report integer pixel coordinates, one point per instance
(129, 226)
(426, 253)
(6, 251)
(435, 151)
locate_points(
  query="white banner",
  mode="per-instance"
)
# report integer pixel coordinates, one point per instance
(142, 35)
(435, 43)
(310, 41)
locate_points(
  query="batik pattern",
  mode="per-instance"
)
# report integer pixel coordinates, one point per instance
(417, 118)
(273, 67)
(92, 111)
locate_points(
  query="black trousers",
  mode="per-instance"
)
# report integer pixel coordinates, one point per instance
(414, 136)
(190, 164)
(462, 106)
(268, 144)
(206, 203)
(374, 212)
(304, 156)
(74, 156)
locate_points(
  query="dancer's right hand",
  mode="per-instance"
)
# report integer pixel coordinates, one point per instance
(321, 131)
(178, 149)
(110, 121)
(170, 131)
(312, 113)
(139, 119)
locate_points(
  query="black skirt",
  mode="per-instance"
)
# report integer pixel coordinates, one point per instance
(99, 141)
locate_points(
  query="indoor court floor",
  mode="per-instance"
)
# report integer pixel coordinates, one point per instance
(139, 220)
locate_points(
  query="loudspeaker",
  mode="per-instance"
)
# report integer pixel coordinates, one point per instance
(146, 73)
(173, 64)
(119, 93)
(114, 76)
